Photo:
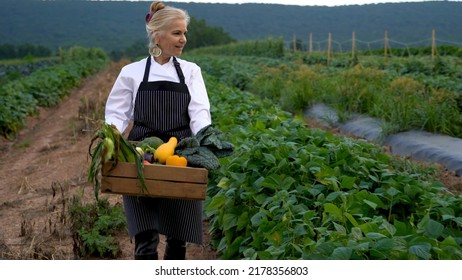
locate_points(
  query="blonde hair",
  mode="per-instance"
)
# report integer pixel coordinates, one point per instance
(160, 17)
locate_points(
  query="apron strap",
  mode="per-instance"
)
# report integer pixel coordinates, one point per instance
(146, 70)
(178, 70)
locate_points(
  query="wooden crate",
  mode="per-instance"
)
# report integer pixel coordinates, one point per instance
(161, 181)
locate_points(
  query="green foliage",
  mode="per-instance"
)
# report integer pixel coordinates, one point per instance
(13, 69)
(358, 89)
(202, 35)
(92, 227)
(77, 53)
(444, 50)
(272, 48)
(235, 70)
(46, 87)
(9, 51)
(410, 105)
(15, 109)
(289, 192)
(230, 71)
(408, 93)
(293, 87)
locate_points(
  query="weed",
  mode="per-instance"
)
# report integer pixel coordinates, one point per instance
(24, 144)
(89, 111)
(92, 226)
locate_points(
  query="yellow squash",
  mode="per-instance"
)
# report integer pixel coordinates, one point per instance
(165, 150)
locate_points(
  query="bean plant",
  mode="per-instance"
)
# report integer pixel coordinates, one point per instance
(289, 192)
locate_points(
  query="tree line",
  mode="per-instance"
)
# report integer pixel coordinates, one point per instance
(200, 35)
(10, 51)
(116, 25)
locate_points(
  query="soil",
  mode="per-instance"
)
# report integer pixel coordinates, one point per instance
(46, 166)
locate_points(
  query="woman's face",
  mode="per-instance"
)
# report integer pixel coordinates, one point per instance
(172, 40)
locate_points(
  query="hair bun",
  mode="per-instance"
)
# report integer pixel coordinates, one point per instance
(155, 6)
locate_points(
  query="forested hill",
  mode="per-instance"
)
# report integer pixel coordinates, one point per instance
(114, 25)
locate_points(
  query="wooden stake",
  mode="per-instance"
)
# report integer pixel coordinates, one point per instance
(311, 43)
(385, 46)
(329, 45)
(433, 44)
(353, 45)
(294, 43)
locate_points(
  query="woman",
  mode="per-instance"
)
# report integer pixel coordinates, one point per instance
(164, 96)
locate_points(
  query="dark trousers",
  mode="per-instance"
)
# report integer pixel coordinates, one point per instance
(146, 243)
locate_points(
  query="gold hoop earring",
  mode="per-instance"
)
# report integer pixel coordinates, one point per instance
(156, 51)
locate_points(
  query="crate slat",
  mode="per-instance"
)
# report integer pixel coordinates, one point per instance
(158, 172)
(165, 189)
(161, 181)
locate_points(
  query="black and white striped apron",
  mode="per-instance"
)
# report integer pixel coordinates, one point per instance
(161, 109)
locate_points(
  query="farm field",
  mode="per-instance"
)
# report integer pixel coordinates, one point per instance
(46, 165)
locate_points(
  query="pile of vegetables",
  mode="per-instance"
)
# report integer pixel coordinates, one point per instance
(109, 146)
(154, 150)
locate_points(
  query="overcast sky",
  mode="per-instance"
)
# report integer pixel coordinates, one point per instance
(301, 2)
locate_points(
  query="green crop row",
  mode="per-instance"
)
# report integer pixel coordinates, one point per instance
(410, 93)
(16, 69)
(46, 87)
(271, 47)
(289, 192)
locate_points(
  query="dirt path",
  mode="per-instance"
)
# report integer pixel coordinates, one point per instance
(43, 168)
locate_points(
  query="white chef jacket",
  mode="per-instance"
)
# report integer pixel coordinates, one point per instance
(121, 101)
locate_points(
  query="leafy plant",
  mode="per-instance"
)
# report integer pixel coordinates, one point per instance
(289, 192)
(92, 226)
